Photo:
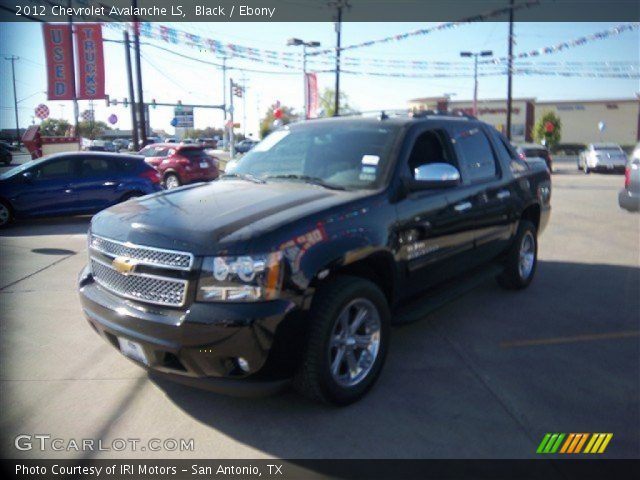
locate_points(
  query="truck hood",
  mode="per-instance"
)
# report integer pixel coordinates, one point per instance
(213, 217)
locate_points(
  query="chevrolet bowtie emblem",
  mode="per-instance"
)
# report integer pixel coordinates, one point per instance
(123, 265)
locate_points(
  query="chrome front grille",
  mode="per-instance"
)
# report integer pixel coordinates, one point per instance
(139, 286)
(156, 257)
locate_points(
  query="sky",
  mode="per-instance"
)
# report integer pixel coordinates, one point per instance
(169, 78)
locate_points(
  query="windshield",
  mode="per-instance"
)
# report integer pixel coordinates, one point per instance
(20, 168)
(607, 149)
(340, 154)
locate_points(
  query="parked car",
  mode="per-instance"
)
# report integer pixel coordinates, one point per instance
(120, 144)
(245, 145)
(532, 152)
(171, 140)
(180, 164)
(207, 142)
(5, 155)
(602, 157)
(73, 183)
(629, 196)
(294, 266)
(9, 146)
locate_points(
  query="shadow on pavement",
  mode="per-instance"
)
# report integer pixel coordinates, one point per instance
(47, 226)
(451, 389)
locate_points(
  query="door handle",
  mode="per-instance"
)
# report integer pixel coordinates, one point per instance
(109, 184)
(502, 194)
(461, 207)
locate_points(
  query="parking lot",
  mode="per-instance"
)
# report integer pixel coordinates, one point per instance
(486, 376)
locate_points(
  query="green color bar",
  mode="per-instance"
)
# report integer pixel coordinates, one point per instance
(552, 440)
(543, 443)
(555, 448)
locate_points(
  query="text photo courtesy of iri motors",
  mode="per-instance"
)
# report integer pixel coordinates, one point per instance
(316, 239)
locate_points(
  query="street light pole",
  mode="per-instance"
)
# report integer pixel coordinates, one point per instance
(475, 55)
(298, 42)
(13, 59)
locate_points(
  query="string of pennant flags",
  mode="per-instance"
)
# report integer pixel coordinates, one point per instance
(292, 60)
(440, 27)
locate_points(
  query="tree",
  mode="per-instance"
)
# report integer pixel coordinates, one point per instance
(327, 104)
(548, 130)
(91, 130)
(54, 127)
(266, 124)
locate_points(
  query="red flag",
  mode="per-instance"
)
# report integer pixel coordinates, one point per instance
(90, 61)
(311, 91)
(59, 55)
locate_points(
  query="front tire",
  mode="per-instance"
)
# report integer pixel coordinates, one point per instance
(5, 214)
(347, 341)
(171, 181)
(521, 259)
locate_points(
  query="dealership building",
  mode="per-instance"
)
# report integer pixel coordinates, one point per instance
(580, 118)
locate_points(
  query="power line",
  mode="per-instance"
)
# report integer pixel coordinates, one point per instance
(207, 62)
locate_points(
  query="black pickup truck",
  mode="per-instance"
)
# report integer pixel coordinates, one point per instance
(292, 267)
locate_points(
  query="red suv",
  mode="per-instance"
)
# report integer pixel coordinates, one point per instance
(180, 164)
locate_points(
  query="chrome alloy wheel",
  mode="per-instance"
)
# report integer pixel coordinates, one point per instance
(355, 342)
(172, 182)
(4, 214)
(527, 256)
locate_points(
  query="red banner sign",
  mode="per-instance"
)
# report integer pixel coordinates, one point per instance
(59, 54)
(90, 61)
(311, 91)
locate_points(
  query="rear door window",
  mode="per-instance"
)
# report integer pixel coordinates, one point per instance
(96, 167)
(476, 158)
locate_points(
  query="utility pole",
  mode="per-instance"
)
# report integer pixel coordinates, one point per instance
(339, 5)
(484, 53)
(132, 98)
(73, 76)
(232, 148)
(510, 71)
(13, 59)
(244, 105)
(140, 104)
(225, 135)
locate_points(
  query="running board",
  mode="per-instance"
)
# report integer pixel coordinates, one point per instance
(444, 293)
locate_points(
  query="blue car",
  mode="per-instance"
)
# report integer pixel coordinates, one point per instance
(73, 184)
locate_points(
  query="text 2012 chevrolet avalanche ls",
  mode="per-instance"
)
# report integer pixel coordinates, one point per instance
(294, 265)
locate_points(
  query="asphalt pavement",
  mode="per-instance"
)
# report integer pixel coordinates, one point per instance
(486, 376)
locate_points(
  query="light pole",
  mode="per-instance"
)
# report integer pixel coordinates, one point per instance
(13, 59)
(297, 42)
(475, 55)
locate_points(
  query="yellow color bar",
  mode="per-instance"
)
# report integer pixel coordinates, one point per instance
(599, 440)
(591, 442)
(608, 437)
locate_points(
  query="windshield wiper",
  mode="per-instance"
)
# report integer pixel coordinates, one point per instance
(308, 179)
(243, 176)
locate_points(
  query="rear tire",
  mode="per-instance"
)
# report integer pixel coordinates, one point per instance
(171, 181)
(347, 341)
(521, 259)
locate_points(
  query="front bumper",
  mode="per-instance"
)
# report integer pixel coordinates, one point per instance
(606, 166)
(199, 346)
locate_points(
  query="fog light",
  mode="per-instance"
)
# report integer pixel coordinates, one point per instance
(243, 364)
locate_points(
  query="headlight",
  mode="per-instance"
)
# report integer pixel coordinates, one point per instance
(240, 279)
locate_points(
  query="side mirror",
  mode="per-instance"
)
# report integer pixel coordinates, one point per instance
(434, 175)
(28, 177)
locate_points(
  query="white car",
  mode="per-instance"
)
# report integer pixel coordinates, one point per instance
(602, 156)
